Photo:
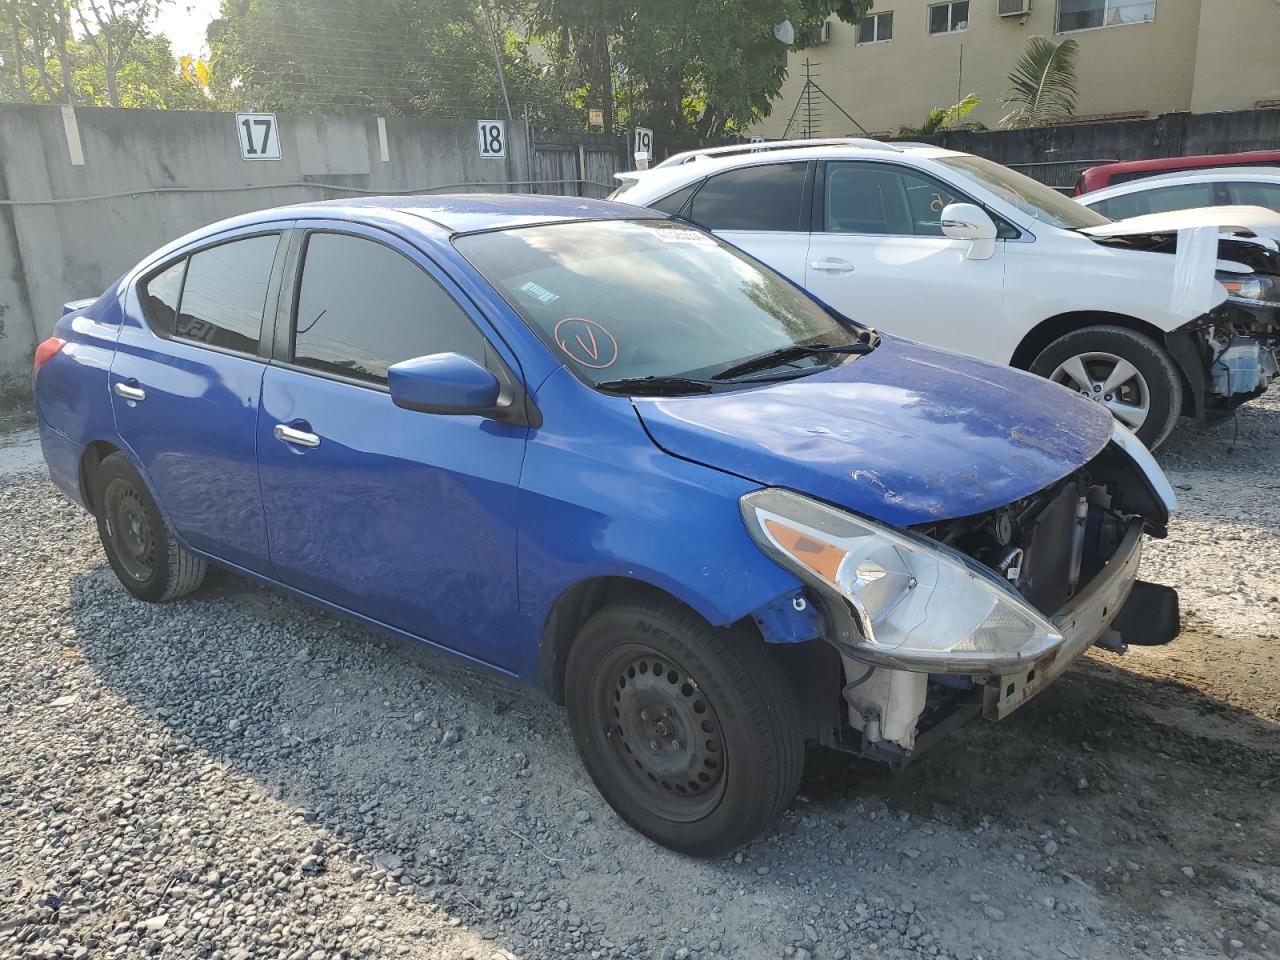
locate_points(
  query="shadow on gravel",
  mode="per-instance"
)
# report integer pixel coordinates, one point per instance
(468, 784)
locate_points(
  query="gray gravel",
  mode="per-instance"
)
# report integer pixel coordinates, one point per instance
(240, 775)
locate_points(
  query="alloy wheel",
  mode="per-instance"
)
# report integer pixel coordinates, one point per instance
(1109, 380)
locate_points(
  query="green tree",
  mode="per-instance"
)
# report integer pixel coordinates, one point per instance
(1042, 85)
(943, 118)
(102, 62)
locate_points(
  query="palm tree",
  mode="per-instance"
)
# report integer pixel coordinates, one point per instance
(1043, 82)
(944, 118)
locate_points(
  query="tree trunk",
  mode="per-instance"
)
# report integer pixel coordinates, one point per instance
(19, 81)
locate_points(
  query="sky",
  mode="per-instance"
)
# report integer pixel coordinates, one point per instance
(184, 22)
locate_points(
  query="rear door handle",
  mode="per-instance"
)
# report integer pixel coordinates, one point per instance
(129, 391)
(832, 265)
(297, 437)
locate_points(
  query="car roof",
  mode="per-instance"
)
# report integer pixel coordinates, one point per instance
(696, 164)
(1211, 175)
(1122, 167)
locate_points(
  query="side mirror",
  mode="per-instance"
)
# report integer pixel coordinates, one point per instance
(967, 221)
(446, 383)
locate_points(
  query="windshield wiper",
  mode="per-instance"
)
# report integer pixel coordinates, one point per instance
(655, 386)
(785, 355)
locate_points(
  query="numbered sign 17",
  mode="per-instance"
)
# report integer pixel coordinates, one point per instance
(259, 136)
(644, 142)
(493, 139)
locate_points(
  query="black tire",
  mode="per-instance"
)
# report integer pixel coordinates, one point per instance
(1156, 368)
(146, 558)
(719, 753)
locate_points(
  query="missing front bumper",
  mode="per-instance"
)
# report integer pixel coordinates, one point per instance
(1094, 610)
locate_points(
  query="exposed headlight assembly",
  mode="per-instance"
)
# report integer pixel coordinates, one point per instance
(1251, 288)
(899, 600)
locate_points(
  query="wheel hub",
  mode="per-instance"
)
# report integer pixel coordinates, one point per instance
(1109, 380)
(666, 735)
(130, 530)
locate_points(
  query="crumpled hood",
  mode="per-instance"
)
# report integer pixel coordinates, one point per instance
(907, 434)
(1257, 220)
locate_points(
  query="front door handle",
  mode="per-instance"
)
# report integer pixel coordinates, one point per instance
(832, 265)
(130, 391)
(297, 437)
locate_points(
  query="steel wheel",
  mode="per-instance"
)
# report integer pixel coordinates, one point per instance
(663, 735)
(129, 527)
(1109, 380)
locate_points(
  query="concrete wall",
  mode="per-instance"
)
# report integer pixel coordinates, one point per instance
(1172, 135)
(1195, 55)
(54, 252)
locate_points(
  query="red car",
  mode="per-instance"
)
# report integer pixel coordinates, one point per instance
(1104, 175)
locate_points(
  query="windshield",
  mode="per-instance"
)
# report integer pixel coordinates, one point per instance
(625, 300)
(1030, 196)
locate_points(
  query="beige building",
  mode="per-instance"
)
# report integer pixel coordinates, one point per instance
(1138, 58)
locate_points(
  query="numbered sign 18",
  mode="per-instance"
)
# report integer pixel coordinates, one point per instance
(493, 139)
(259, 136)
(644, 142)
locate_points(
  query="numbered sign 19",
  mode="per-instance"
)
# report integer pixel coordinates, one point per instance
(493, 139)
(259, 136)
(644, 142)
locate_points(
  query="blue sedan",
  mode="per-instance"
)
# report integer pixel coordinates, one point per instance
(605, 453)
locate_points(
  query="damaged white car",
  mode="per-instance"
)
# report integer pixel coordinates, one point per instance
(1154, 317)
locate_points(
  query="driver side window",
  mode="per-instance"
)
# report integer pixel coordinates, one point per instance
(879, 198)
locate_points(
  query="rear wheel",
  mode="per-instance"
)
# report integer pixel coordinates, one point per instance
(1123, 370)
(146, 558)
(691, 734)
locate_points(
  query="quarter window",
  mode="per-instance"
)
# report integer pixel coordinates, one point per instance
(763, 197)
(362, 307)
(949, 17)
(673, 203)
(1087, 14)
(160, 297)
(876, 27)
(225, 293)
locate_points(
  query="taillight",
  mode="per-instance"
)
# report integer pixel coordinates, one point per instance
(46, 352)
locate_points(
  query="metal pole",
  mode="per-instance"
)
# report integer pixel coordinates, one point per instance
(502, 77)
(529, 150)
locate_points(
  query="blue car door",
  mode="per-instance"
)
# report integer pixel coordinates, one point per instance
(405, 517)
(185, 384)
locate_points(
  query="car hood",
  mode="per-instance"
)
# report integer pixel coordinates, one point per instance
(907, 434)
(1257, 220)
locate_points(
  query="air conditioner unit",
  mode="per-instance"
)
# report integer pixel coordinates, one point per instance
(1013, 8)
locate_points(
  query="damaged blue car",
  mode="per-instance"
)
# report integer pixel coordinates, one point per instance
(600, 451)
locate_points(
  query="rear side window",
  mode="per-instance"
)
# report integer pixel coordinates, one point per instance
(769, 197)
(225, 293)
(160, 297)
(363, 307)
(215, 297)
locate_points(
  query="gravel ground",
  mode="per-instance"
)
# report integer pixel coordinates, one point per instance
(240, 775)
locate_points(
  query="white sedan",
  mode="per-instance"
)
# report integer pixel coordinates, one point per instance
(1153, 317)
(1185, 189)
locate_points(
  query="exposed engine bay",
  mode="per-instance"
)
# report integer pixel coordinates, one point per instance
(1050, 547)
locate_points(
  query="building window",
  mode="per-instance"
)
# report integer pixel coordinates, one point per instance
(949, 17)
(1088, 14)
(876, 27)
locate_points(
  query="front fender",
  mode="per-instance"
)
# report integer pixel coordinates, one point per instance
(599, 499)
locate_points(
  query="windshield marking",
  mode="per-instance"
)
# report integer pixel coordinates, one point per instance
(578, 340)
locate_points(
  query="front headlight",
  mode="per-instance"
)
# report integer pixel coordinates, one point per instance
(1251, 288)
(912, 604)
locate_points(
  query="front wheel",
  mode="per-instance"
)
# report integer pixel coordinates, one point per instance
(1123, 370)
(691, 734)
